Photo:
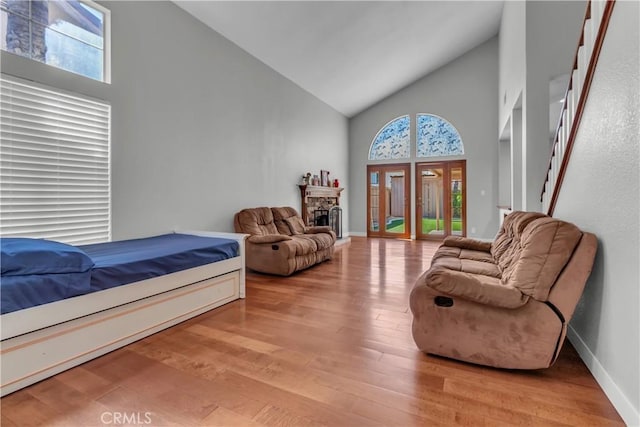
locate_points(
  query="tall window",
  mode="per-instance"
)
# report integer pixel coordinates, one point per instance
(68, 34)
(392, 141)
(436, 137)
(54, 164)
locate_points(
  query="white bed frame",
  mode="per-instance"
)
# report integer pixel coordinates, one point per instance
(41, 341)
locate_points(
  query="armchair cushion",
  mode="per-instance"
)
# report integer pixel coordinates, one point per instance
(544, 249)
(283, 217)
(466, 243)
(456, 252)
(512, 227)
(321, 240)
(257, 221)
(301, 246)
(295, 224)
(477, 256)
(468, 266)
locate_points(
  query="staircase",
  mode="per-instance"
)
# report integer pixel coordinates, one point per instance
(594, 29)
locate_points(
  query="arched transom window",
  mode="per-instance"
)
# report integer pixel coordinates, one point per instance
(436, 137)
(392, 141)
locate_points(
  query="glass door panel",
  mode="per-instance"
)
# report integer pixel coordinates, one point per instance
(430, 202)
(374, 201)
(440, 199)
(457, 208)
(388, 210)
(395, 202)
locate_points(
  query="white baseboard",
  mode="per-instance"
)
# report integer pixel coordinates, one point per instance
(625, 408)
(412, 237)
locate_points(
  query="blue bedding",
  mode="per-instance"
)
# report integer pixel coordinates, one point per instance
(128, 261)
(19, 292)
(30, 278)
(38, 271)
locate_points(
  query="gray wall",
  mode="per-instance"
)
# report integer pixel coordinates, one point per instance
(538, 41)
(600, 194)
(553, 31)
(465, 93)
(504, 173)
(512, 40)
(200, 129)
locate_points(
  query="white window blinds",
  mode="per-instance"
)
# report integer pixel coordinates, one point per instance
(54, 164)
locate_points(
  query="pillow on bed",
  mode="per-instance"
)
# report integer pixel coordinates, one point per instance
(23, 256)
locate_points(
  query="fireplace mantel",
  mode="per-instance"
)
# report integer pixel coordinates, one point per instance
(316, 197)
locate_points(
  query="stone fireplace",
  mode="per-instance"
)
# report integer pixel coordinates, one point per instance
(318, 199)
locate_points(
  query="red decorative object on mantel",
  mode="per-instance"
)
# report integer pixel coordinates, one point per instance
(336, 183)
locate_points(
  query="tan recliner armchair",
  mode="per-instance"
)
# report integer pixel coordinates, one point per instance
(280, 243)
(507, 303)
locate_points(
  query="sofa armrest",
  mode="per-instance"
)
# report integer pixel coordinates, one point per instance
(467, 243)
(268, 238)
(321, 229)
(317, 229)
(474, 287)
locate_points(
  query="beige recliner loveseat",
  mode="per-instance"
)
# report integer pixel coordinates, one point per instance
(280, 243)
(505, 303)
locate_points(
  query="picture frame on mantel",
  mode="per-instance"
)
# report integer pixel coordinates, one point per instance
(324, 178)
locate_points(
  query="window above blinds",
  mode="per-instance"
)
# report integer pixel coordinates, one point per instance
(69, 34)
(54, 164)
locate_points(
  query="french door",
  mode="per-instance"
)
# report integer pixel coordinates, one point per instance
(388, 206)
(441, 204)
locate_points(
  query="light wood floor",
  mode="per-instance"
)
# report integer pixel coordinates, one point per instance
(329, 346)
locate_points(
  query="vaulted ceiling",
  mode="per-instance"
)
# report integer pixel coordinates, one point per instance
(352, 54)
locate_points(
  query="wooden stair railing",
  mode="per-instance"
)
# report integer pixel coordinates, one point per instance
(594, 28)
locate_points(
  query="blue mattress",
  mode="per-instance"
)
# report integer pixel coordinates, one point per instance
(114, 264)
(19, 292)
(128, 261)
